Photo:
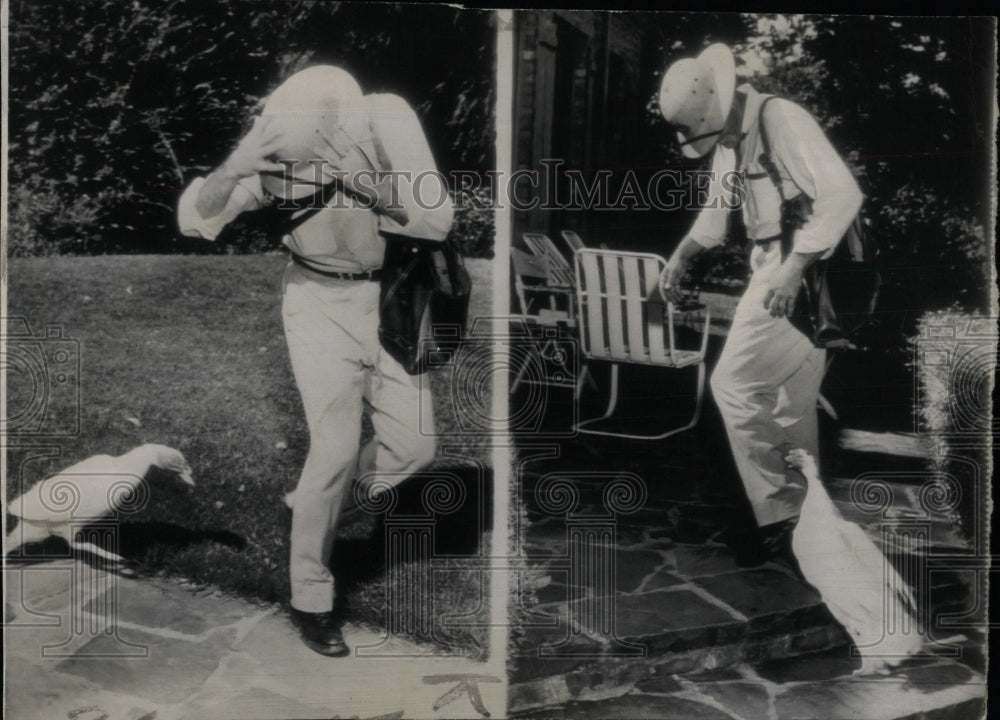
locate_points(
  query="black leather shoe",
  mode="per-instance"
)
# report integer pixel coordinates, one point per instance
(321, 632)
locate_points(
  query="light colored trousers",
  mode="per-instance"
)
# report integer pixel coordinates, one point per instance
(332, 331)
(766, 385)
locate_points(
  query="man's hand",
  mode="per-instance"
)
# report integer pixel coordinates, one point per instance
(671, 278)
(348, 165)
(784, 287)
(673, 274)
(783, 290)
(343, 158)
(252, 154)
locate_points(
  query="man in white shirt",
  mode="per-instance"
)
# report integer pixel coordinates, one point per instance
(324, 151)
(768, 377)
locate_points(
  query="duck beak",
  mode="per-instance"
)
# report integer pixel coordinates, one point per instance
(186, 477)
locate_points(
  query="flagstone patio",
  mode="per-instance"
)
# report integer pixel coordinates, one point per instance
(645, 611)
(83, 644)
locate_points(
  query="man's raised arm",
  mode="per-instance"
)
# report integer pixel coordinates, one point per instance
(209, 204)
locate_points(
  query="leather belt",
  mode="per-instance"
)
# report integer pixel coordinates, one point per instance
(767, 241)
(373, 275)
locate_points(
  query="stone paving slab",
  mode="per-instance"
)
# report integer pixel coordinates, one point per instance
(665, 612)
(684, 599)
(631, 566)
(37, 588)
(818, 687)
(771, 613)
(694, 608)
(31, 694)
(555, 650)
(817, 667)
(208, 656)
(98, 661)
(254, 702)
(875, 700)
(660, 580)
(759, 591)
(708, 559)
(643, 707)
(382, 676)
(745, 700)
(159, 604)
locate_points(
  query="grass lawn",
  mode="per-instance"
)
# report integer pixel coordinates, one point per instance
(188, 351)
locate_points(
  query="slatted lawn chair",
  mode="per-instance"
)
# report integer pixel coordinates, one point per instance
(542, 272)
(546, 311)
(623, 319)
(560, 272)
(574, 242)
(536, 299)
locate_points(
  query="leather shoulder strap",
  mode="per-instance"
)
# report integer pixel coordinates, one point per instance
(765, 159)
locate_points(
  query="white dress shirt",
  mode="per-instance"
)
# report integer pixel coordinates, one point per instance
(806, 163)
(345, 236)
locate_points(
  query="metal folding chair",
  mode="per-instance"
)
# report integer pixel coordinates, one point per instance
(546, 313)
(572, 240)
(623, 319)
(541, 272)
(575, 242)
(560, 272)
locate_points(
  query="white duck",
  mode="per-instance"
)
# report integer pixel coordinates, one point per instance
(862, 590)
(92, 489)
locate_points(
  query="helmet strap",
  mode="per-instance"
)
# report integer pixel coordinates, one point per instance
(696, 138)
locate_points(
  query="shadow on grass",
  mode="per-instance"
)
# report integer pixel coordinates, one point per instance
(135, 541)
(137, 538)
(421, 573)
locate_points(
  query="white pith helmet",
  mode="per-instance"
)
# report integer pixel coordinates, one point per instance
(317, 99)
(696, 95)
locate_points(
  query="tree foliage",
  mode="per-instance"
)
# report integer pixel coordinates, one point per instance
(907, 100)
(115, 106)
